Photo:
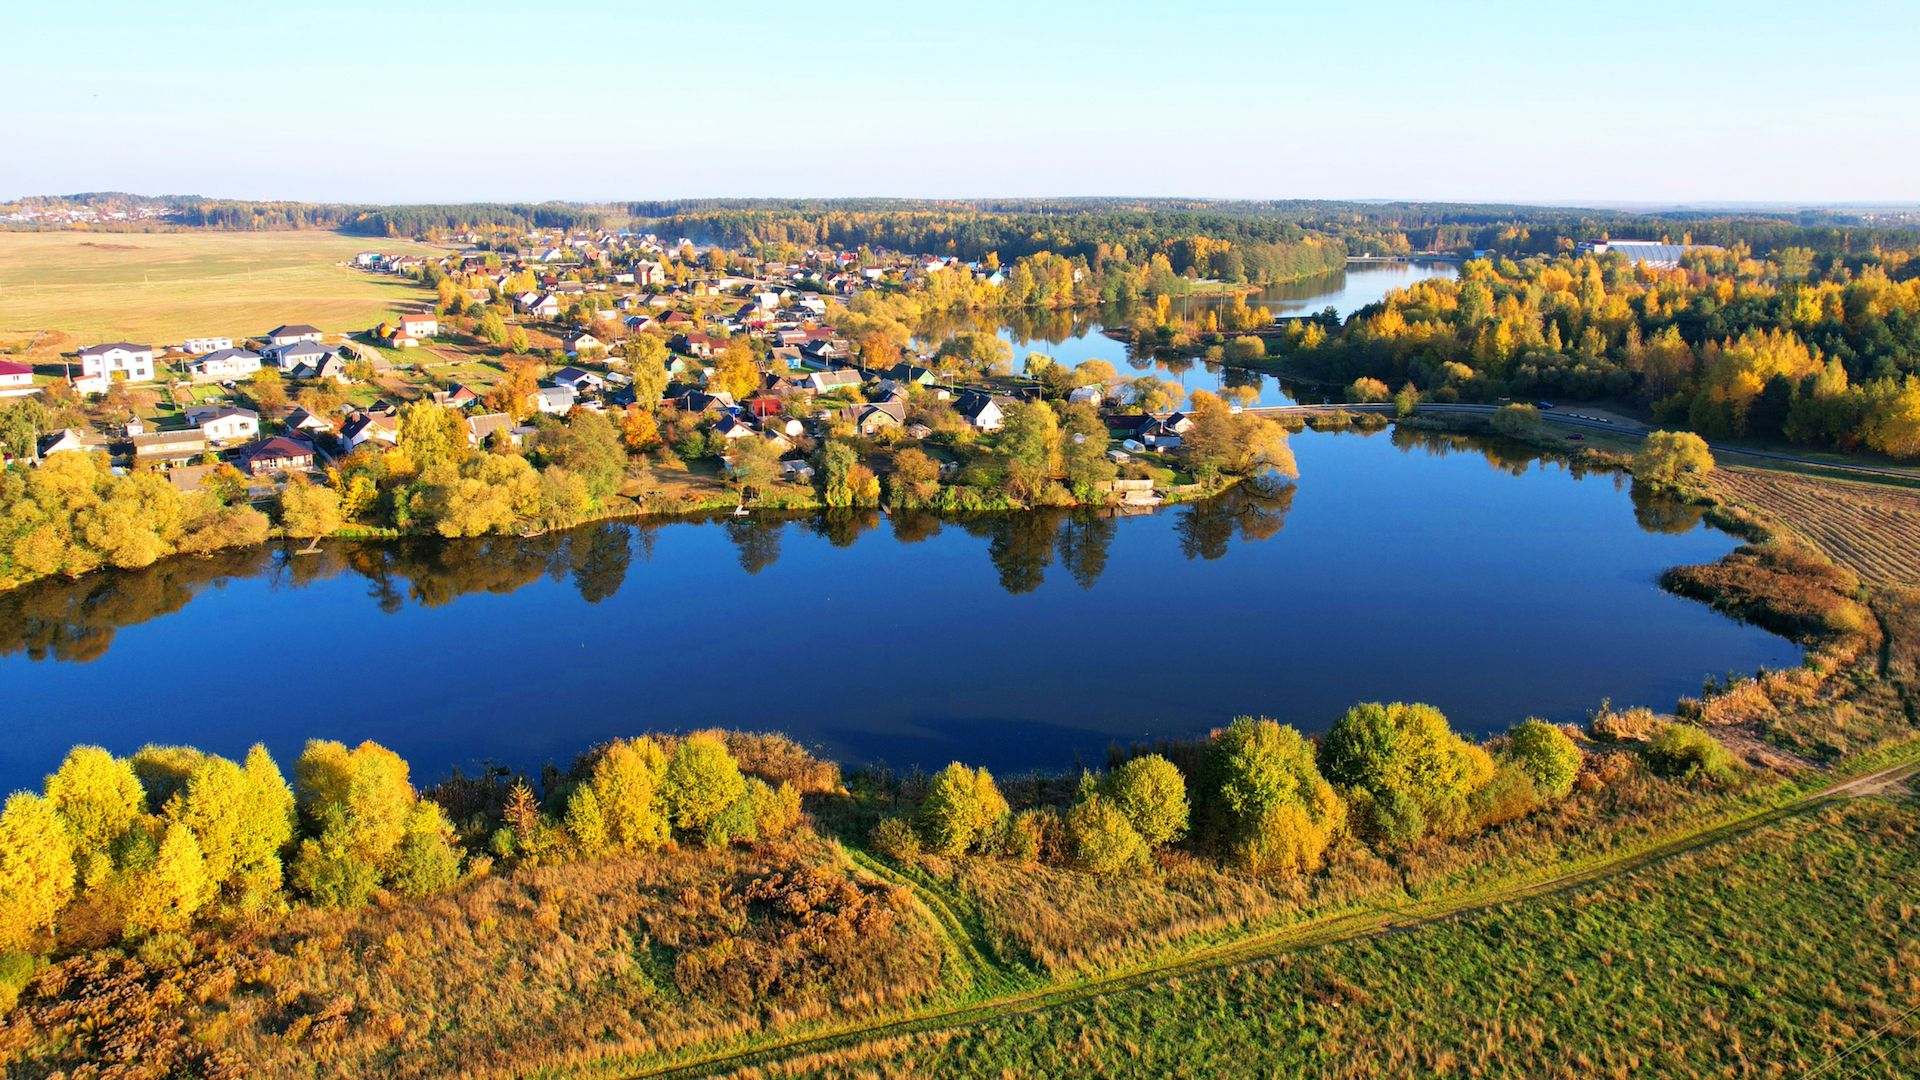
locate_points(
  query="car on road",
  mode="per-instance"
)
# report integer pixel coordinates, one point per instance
(1543, 405)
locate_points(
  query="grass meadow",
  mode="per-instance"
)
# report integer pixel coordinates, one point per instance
(1790, 951)
(68, 289)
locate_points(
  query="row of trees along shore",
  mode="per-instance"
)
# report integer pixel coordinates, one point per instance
(140, 847)
(1823, 352)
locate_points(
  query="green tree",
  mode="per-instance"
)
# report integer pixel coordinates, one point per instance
(1029, 448)
(1417, 775)
(1152, 795)
(1104, 840)
(961, 810)
(1546, 754)
(702, 781)
(36, 868)
(1083, 452)
(1269, 805)
(1667, 457)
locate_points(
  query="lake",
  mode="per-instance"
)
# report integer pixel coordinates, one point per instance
(1464, 573)
(1073, 336)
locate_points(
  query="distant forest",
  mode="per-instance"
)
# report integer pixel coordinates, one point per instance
(1089, 228)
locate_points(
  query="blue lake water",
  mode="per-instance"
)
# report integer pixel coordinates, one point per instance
(1072, 337)
(1398, 566)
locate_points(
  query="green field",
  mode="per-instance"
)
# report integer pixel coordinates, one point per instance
(1789, 951)
(160, 288)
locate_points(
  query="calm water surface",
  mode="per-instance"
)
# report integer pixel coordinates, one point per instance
(1397, 567)
(1071, 337)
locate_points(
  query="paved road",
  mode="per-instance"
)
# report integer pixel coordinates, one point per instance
(1581, 420)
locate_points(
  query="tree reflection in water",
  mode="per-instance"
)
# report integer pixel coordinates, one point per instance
(75, 621)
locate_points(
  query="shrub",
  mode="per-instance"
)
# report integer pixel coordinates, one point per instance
(1546, 754)
(1690, 753)
(1410, 762)
(1637, 724)
(1268, 803)
(1026, 836)
(702, 782)
(628, 782)
(896, 839)
(166, 952)
(425, 863)
(1512, 793)
(962, 807)
(1667, 457)
(584, 822)
(1103, 840)
(1153, 796)
(16, 971)
(736, 822)
(329, 872)
(776, 810)
(1518, 420)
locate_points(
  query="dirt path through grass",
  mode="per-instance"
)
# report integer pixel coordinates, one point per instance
(1259, 946)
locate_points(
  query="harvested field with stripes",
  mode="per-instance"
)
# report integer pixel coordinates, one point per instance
(1870, 529)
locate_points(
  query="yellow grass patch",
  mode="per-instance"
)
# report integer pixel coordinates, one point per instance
(161, 288)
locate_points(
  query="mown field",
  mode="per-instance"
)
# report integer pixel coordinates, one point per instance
(161, 288)
(1790, 951)
(1873, 529)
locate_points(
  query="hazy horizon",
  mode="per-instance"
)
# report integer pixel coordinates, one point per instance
(1646, 105)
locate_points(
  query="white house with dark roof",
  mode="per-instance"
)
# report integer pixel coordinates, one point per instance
(224, 364)
(555, 400)
(225, 423)
(292, 333)
(131, 362)
(199, 345)
(295, 354)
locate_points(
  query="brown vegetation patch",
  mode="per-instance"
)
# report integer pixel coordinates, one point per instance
(556, 966)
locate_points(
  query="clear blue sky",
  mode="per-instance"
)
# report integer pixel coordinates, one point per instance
(420, 101)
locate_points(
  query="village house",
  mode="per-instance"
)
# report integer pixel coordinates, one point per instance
(419, 326)
(393, 337)
(580, 380)
(555, 400)
(16, 380)
(371, 427)
(981, 410)
(168, 447)
(223, 364)
(280, 454)
(200, 345)
(72, 440)
(120, 359)
(293, 333)
(578, 343)
(732, 427)
(825, 382)
(294, 354)
(225, 423)
(311, 423)
(484, 426)
(545, 306)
